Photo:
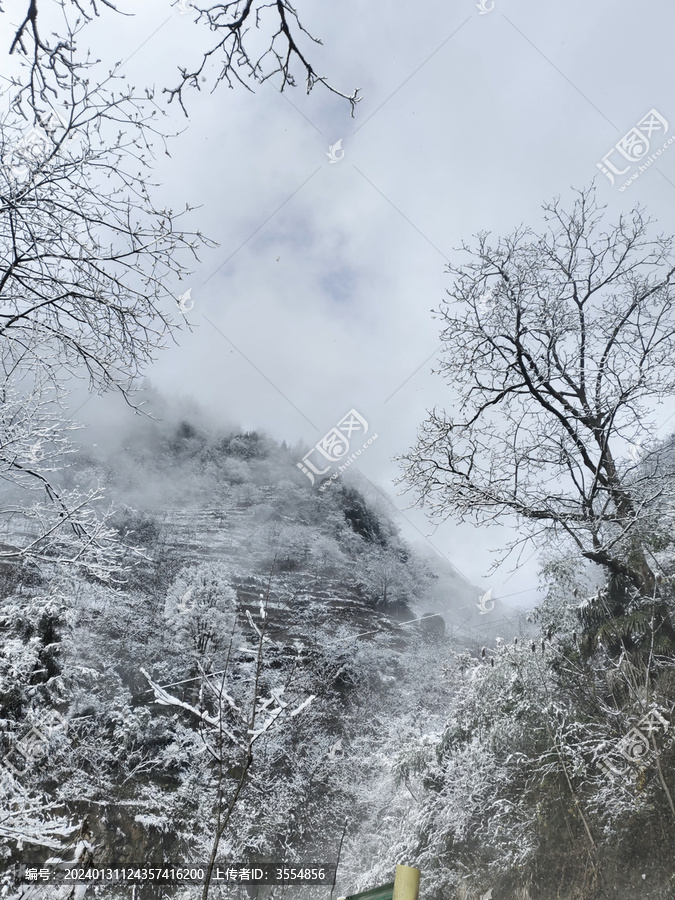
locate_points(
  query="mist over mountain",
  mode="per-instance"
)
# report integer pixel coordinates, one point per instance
(272, 674)
(224, 536)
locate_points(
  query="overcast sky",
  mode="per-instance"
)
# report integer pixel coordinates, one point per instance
(318, 298)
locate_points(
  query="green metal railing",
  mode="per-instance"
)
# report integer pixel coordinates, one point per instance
(405, 886)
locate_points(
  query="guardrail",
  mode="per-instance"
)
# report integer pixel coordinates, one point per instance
(405, 886)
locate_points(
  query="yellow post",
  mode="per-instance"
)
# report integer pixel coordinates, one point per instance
(406, 883)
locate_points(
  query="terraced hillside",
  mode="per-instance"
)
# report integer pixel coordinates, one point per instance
(313, 587)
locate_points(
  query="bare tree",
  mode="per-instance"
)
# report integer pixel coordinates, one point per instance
(232, 50)
(89, 263)
(39, 518)
(558, 345)
(89, 267)
(233, 717)
(389, 579)
(200, 610)
(235, 50)
(31, 820)
(87, 257)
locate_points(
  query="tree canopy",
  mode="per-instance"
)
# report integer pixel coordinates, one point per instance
(558, 344)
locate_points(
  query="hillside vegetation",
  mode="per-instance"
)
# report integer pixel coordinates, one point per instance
(244, 589)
